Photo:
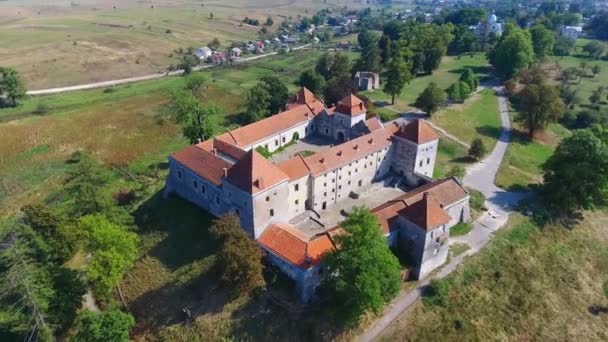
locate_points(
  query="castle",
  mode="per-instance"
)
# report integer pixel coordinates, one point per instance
(226, 174)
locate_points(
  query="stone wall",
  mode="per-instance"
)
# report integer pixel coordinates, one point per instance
(270, 206)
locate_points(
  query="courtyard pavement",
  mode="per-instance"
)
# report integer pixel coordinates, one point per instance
(499, 202)
(313, 143)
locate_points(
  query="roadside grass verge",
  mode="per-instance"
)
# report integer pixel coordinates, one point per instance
(461, 229)
(509, 289)
(450, 154)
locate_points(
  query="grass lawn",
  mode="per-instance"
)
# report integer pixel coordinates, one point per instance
(461, 229)
(527, 284)
(449, 154)
(449, 71)
(478, 116)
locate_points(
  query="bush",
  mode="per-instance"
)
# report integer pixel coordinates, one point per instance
(477, 199)
(437, 293)
(41, 109)
(477, 149)
(124, 197)
(456, 171)
(461, 229)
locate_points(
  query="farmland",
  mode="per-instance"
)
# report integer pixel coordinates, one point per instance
(93, 40)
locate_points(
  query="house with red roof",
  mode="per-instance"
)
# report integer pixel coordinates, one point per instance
(225, 174)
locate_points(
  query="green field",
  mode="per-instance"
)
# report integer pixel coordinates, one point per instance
(528, 284)
(125, 126)
(477, 117)
(450, 69)
(449, 154)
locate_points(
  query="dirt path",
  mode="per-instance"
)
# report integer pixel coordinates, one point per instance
(142, 78)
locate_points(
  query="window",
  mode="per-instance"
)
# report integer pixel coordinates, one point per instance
(339, 187)
(297, 202)
(333, 190)
(356, 170)
(195, 184)
(296, 187)
(333, 180)
(271, 212)
(267, 198)
(428, 161)
(217, 199)
(340, 178)
(360, 183)
(325, 193)
(203, 188)
(179, 174)
(283, 139)
(276, 143)
(324, 184)
(420, 163)
(237, 211)
(326, 131)
(349, 173)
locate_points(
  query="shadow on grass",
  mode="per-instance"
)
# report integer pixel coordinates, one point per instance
(489, 131)
(481, 71)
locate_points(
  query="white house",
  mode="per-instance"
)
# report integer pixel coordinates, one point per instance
(203, 53)
(571, 32)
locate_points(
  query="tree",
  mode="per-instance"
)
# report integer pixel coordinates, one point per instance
(337, 88)
(456, 171)
(596, 69)
(210, 15)
(11, 85)
(477, 149)
(431, 99)
(576, 175)
(197, 121)
(367, 39)
(539, 105)
(239, 258)
(563, 46)
(543, 40)
(469, 77)
(362, 274)
(258, 102)
(214, 44)
(83, 184)
(113, 325)
(599, 25)
(513, 53)
(596, 95)
(568, 95)
(333, 65)
(278, 93)
(113, 249)
(313, 81)
(595, 49)
(583, 65)
(396, 76)
(458, 91)
(570, 74)
(369, 60)
(53, 226)
(269, 21)
(69, 289)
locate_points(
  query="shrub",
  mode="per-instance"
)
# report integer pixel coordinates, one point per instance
(437, 293)
(477, 149)
(461, 229)
(456, 171)
(124, 196)
(41, 109)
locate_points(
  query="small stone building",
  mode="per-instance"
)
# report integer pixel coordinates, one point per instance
(366, 80)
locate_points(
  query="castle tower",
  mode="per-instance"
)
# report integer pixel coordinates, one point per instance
(415, 150)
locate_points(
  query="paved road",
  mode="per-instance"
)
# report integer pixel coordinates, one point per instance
(479, 176)
(142, 78)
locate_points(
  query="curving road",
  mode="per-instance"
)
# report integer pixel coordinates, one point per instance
(143, 78)
(479, 176)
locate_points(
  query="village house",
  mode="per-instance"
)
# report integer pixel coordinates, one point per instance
(225, 174)
(235, 52)
(203, 53)
(571, 32)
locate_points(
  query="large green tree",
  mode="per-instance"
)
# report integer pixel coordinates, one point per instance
(113, 325)
(198, 121)
(397, 74)
(431, 99)
(362, 274)
(113, 249)
(543, 40)
(313, 81)
(595, 49)
(513, 53)
(11, 85)
(53, 226)
(258, 102)
(337, 88)
(332, 65)
(278, 93)
(239, 258)
(539, 105)
(576, 175)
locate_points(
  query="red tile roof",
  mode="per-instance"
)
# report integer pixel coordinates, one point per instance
(203, 163)
(253, 173)
(295, 247)
(351, 105)
(294, 168)
(374, 123)
(337, 156)
(426, 213)
(217, 146)
(247, 135)
(443, 192)
(417, 131)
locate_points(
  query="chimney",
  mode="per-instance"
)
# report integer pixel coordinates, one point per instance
(199, 140)
(356, 147)
(214, 151)
(339, 153)
(225, 172)
(371, 141)
(322, 160)
(425, 195)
